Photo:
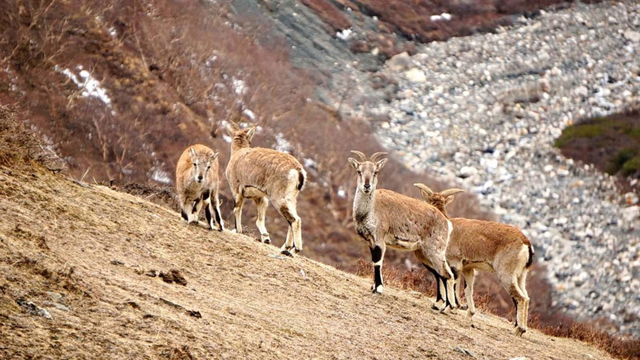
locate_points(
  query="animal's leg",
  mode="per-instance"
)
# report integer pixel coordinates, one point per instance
(469, 279)
(440, 289)
(294, 239)
(237, 211)
(216, 212)
(377, 257)
(212, 208)
(261, 205)
(522, 284)
(195, 210)
(186, 207)
(510, 283)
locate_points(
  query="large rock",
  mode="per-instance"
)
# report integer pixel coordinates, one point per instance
(415, 76)
(400, 62)
(632, 213)
(632, 36)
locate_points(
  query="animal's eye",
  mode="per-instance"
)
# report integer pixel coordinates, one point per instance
(209, 167)
(195, 164)
(359, 172)
(375, 173)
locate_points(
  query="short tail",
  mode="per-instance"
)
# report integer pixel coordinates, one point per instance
(302, 178)
(531, 255)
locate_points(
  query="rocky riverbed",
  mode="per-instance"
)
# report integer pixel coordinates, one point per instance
(484, 111)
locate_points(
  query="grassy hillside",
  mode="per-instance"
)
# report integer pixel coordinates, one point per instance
(610, 143)
(92, 257)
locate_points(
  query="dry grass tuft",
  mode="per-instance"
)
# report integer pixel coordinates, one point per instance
(19, 146)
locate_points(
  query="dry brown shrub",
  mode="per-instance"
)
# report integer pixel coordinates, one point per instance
(329, 13)
(19, 146)
(412, 18)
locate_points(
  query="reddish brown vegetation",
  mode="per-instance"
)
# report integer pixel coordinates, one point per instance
(329, 14)
(412, 18)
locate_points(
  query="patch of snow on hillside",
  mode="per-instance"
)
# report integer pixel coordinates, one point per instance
(90, 85)
(250, 114)
(161, 176)
(239, 86)
(282, 144)
(344, 34)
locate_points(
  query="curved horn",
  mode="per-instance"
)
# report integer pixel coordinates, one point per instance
(360, 154)
(375, 156)
(424, 187)
(450, 192)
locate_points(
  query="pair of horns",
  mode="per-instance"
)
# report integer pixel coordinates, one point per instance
(444, 193)
(373, 158)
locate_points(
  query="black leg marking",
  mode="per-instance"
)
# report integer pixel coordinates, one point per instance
(286, 252)
(446, 291)
(435, 273)
(184, 215)
(218, 217)
(207, 213)
(195, 205)
(376, 257)
(376, 254)
(516, 305)
(284, 210)
(377, 272)
(456, 273)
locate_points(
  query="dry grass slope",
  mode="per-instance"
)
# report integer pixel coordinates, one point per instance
(87, 255)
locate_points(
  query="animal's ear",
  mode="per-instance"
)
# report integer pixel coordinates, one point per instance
(425, 196)
(380, 164)
(193, 154)
(214, 156)
(448, 200)
(250, 132)
(354, 163)
(448, 195)
(231, 128)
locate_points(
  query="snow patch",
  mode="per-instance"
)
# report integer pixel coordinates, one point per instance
(443, 16)
(344, 34)
(91, 87)
(282, 144)
(239, 86)
(160, 176)
(310, 163)
(250, 114)
(211, 60)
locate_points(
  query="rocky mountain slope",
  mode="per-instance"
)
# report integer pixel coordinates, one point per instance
(88, 272)
(485, 110)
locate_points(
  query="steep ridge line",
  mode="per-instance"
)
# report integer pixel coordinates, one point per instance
(88, 255)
